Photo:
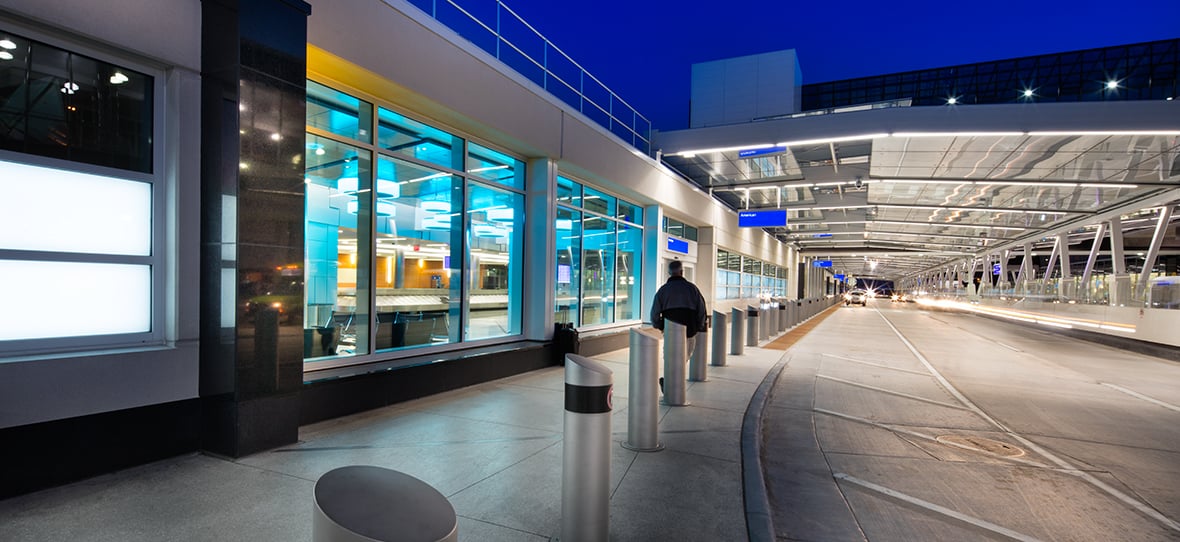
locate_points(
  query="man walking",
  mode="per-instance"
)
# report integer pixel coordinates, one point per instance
(680, 301)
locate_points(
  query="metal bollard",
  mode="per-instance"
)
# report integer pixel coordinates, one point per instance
(718, 358)
(643, 392)
(772, 311)
(676, 345)
(737, 332)
(698, 361)
(585, 467)
(782, 317)
(763, 324)
(752, 326)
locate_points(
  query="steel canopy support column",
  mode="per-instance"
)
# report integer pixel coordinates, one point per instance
(1117, 296)
(1161, 227)
(1098, 236)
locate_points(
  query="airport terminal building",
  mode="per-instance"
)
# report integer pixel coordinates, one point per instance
(253, 215)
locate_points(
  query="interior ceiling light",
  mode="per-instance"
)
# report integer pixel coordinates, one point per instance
(1028, 93)
(1111, 85)
(5, 55)
(118, 78)
(952, 100)
(7, 44)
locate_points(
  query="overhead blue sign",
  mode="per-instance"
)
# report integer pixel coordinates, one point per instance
(677, 245)
(759, 152)
(995, 269)
(839, 276)
(822, 263)
(762, 219)
(822, 235)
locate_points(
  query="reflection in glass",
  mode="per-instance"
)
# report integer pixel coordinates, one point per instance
(490, 165)
(598, 262)
(409, 138)
(338, 211)
(629, 212)
(568, 229)
(64, 105)
(495, 221)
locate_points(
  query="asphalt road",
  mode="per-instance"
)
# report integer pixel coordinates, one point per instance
(891, 422)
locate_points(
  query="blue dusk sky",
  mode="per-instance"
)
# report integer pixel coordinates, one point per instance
(643, 50)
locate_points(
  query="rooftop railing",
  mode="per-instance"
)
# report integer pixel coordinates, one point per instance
(495, 28)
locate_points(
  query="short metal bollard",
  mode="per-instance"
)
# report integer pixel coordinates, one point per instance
(737, 331)
(782, 317)
(698, 361)
(676, 344)
(363, 502)
(772, 311)
(643, 392)
(719, 330)
(585, 466)
(753, 324)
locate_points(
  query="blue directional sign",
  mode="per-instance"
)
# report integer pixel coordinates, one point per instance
(822, 263)
(758, 152)
(995, 269)
(677, 245)
(762, 219)
(839, 276)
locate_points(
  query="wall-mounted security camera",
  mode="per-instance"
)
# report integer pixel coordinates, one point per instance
(859, 182)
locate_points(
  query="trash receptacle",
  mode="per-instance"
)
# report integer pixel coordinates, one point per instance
(565, 341)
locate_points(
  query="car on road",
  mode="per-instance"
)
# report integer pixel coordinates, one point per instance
(856, 297)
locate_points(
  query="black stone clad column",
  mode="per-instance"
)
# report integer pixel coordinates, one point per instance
(253, 92)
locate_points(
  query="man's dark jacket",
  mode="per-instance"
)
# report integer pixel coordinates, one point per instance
(680, 301)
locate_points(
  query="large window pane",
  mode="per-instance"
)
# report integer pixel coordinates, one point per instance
(407, 137)
(338, 113)
(569, 192)
(490, 165)
(91, 214)
(102, 299)
(629, 212)
(338, 211)
(598, 202)
(628, 298)
(419, 255)
(568, 228)
(598, 262)
(64, 105)
(494, 226)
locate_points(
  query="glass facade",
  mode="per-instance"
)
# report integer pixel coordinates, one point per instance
(599, 256)
(80, 131)
(1143, 71)
(679, 229)
(742, 277)
(413, 236)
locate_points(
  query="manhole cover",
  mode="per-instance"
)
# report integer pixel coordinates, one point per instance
(982, 444)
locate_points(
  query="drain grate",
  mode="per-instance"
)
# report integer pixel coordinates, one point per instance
(982, 444)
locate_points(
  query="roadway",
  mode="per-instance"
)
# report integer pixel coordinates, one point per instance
(890, 422)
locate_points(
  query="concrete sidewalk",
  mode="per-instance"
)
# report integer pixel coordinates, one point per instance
(495, 451)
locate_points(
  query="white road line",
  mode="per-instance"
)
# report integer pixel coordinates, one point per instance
(1012, 348)
(932, 438)
(891, 392)
(863, 362)
(1127, 499)
(1133, 393)
(976, 522)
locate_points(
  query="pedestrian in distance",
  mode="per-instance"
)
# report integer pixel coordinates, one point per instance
(680, 301)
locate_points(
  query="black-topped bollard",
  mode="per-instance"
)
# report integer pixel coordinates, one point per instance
(675, 356)
(585, 466)
(752, 326)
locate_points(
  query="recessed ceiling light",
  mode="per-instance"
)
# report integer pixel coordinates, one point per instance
(1028, 93)
(5, 55)
(7, 44)
(1112, 85)
(952, 101)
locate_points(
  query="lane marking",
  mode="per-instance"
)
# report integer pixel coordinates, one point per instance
(932, 438)
(1066, 466)
(891, 392)
(1136, 394)
(973, 521)
(863, 362)
(1012, 348)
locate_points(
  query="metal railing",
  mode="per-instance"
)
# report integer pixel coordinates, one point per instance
(499, 31)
